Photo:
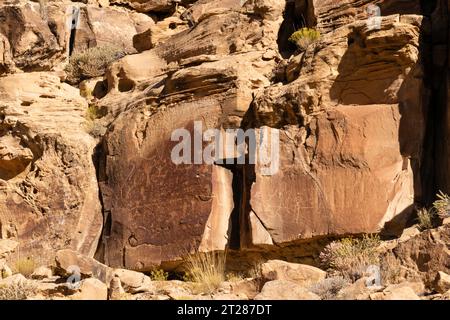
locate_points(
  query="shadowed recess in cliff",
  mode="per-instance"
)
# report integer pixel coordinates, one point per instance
(297, 14)
(243, 178)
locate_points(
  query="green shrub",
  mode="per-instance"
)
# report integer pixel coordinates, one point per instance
(442, 205)
(350, 257)
(304, 38)
(159, 275)
(91, 62)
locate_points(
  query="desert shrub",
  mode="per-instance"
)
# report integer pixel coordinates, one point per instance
(328, 288)
(93, 127)
(25, 266)
(93, 113)
(304, 38)
(159, 275)
(350, 257)
(18, 290)
(206, 269)
(426, 218)
(91, 62)
(442, 204)
(391, 270)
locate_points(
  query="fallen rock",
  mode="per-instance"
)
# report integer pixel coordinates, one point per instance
(442, 282)
(417, 286)
(355, 291)
(248, 287)
(91, 289)
(285, 290)
(299, 273)
(116, 291)
(176, 290)
(395, 293)
(134, 282)
(69, 262)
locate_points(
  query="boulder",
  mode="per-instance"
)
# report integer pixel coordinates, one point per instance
(134, 282)
(91, 289)
(442, 282)
(116, 291)
(355, 291)
(299, 273)
(248, 287)
(395, 293)
(69, 262)
(285, 290)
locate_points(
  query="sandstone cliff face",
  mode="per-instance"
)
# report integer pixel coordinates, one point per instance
(49, 193)
(352, 114)
(349, 158)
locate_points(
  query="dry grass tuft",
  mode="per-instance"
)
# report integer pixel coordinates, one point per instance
(25, 266)
(206, 269)
(426, 218)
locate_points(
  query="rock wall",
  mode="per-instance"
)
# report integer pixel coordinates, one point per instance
(358, 116)
(349, 159)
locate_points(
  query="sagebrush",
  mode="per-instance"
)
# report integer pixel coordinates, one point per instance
(328, 289)
(91, 63)
(350, 257)
(305, 38)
